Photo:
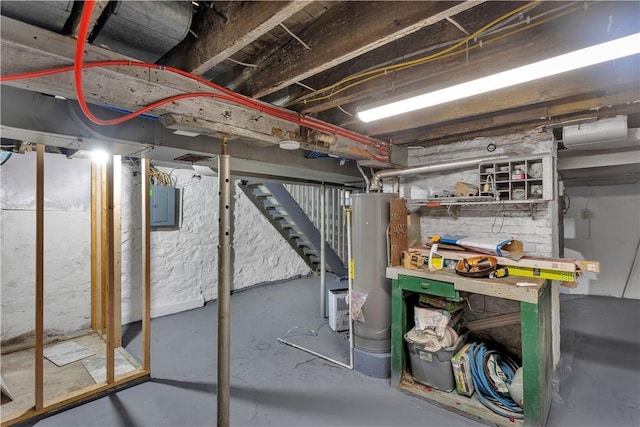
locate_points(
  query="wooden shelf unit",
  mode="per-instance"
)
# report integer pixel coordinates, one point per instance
(524, 179)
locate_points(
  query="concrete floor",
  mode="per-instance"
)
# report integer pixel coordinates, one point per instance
(274, 384)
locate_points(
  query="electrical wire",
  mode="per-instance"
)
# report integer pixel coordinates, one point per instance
(445, 53)
(227, 95)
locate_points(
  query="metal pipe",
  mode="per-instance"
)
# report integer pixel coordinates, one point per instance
(323, 257)
(351, 342)
(437, 167)
(224, 284)
(364, 176)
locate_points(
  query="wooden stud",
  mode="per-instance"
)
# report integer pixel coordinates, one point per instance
(109, 285)
(95, 248)
(104, 252)
(117, 250)
(146, 269)
(39, 377)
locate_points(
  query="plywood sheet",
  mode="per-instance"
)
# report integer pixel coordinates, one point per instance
(97, 366)
(67, 352)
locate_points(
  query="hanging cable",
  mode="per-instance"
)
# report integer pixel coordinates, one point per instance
(226, 95)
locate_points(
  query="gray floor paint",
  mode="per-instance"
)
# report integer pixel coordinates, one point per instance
(274, 384)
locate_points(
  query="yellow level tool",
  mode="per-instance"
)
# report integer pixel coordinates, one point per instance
(563, 276)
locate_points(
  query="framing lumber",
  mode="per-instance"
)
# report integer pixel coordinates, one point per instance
(217, 40)
(117, 250)
(26, 48)
(39, 351)
(96, 243)
(98, 8)
(334, 39)
(109, 285)
(104, 253)
(146, 269)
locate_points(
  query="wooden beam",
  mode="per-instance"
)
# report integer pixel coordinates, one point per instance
(39, 352)
(497, 53)
(416, 45)
(335, 39)
(96, 266)
(109, 283)
(219, 38)
(98, 8)
(117, 250)
(104, 253)
(146, 268)
(132, 87)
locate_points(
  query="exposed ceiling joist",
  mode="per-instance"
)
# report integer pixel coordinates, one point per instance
(334, 38)
(26, 48)
(218, 38)
(98, 8)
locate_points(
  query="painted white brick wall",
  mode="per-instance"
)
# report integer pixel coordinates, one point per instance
(67, 245)
(539, 235)
(184, 261)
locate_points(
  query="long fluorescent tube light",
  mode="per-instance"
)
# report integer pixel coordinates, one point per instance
(614, 49)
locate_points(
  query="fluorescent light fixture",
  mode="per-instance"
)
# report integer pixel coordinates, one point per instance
(615, 49)
(185, 133)
(59, 97)
(100, 156)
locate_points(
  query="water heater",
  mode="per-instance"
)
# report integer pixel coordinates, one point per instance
(370, 220)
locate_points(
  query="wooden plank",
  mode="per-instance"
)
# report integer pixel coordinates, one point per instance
(74, 397)
(98, 8)
(146, 268)
(39, 314)
(117, 250)
(494, 322)
(334, 39)
(217, 40)
(96, 265)
(109, 282)
(104, 252)
(469, 407)
(398, 229)
(502, 288)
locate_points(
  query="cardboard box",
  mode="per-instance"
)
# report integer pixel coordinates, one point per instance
(462, 371)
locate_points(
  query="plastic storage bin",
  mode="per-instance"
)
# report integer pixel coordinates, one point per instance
(433, 369)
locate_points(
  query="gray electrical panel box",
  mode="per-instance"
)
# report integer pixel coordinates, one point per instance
(163, 205)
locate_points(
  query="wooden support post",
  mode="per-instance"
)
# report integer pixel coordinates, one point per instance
(96, 264)
(117, 250)
(103, 251)
(108, 284)
(146, 270)
(39, 383)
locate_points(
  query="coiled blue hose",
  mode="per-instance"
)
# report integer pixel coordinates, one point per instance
(487, 395)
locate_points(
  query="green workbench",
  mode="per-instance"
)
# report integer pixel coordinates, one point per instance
(536, 336)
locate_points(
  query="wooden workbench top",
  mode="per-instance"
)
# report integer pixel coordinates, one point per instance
(505, 287)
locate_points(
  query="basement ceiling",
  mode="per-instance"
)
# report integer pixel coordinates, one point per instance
(325, 59)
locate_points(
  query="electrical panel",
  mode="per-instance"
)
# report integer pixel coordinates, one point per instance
(163, 205)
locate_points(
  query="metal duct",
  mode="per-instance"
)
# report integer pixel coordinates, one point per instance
(51, 15)
(145, 30)
(599, 135)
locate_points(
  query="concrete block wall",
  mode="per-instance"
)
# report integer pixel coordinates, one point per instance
(184, 261)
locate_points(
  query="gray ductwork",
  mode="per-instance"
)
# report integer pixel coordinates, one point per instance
(376, 182)
(602, 134)
(145, 30)
(51, 15)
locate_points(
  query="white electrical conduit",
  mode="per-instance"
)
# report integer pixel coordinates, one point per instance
(376, 182)
(323, 254)
(322, 356)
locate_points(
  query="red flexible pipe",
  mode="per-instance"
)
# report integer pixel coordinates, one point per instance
(227, 95)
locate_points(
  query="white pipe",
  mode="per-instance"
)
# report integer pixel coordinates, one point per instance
(364, 176)
(315, 353)
(323, 256)
(379, 176)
